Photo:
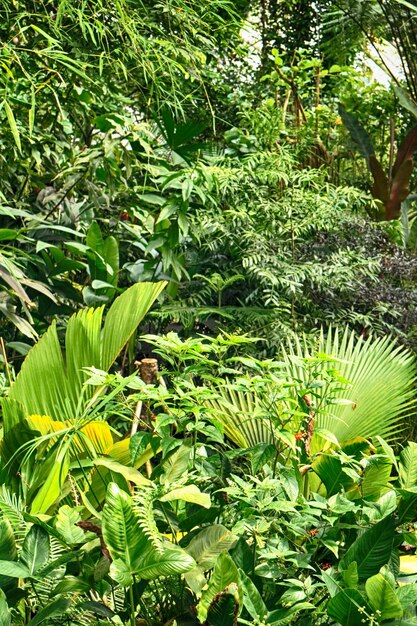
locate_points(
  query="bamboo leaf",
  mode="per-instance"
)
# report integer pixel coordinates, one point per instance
(13, 125)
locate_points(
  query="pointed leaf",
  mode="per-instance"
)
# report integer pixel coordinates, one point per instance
(224, 573)
(35, 549)
(56, 608)
(252, 599)
(14, 569)
(406, 150)
(382, 597)
(124, 316)
(209, 543)
(372, 549)
(358, 134)
(380, 189)
(189, 493)
(344, 607)
(407, 473)
(399, 190)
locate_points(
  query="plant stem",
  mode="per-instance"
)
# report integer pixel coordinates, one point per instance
(132, 606)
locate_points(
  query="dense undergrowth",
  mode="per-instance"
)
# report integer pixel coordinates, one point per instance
(208, 313)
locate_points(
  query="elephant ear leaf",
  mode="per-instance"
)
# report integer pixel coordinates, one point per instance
(380, 189)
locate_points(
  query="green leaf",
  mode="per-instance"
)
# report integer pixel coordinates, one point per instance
(350, 576)
(407, 595)
(124, 316)
(132, 550)
(224, 609)
(358, 134)
(95, 238)
(176, 464)
(224, 573)
(405, 100)
(190, 493)
(407, 473)
(130, 473)
(8, 552)
(169, 561)
(122, 534)
(35, 549)
(12, 124)
(344, 607)
(52, 487)
(381, 375)
(252, 599)
(5, 614)
(372, 549)
(209, 543)
(56, 608)
(14, 569)
(282, 617)
(111, 256)
(138, 444)
(66, 521)
(382, 597)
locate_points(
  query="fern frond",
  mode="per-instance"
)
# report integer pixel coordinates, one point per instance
(143, 508)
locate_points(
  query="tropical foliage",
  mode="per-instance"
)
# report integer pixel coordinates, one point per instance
(208, 313)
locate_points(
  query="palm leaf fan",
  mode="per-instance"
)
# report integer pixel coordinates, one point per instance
(382, 377)
(50, 383)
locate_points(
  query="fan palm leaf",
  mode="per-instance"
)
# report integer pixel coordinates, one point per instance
(380, 392)
(377, 399)
(48, 383)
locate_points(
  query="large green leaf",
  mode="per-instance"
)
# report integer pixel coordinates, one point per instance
(52, 487)
(66, 521)
(5, 614)
(242, 414)
(49, 385)
(35, 549)
(358, 134)
(382, 597)
(57, 608)
(41, 385)
(8, 552)
(134, 553)
(381, 390)
(124, 316)
(344, 607)
(407, 473)
(82, 348)
(252, 599)
(167, 561)
(224, 573)
(188, 493)
(372, 549)
(209, 543)
(121, 533)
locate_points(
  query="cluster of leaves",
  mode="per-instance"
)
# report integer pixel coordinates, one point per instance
(229, 491)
